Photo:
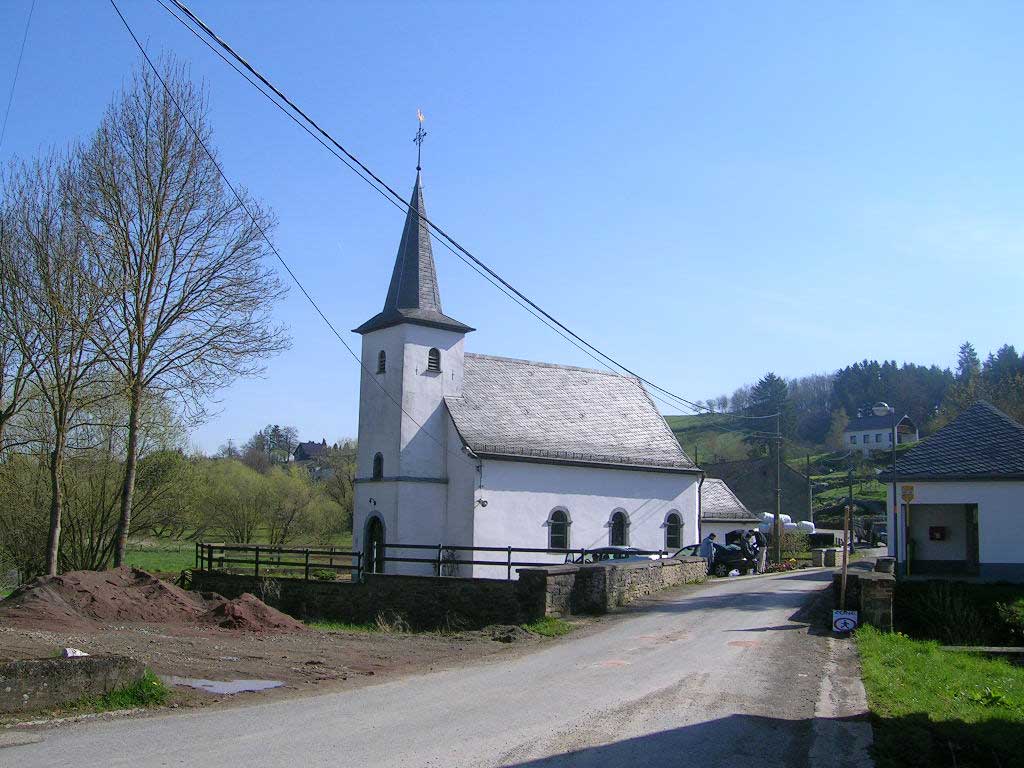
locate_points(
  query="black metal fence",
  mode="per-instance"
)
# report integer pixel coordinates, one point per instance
(443, 559)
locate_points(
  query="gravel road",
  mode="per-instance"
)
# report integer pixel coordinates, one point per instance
(726, 674)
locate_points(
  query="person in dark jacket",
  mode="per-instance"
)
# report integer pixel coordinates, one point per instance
(707, 550)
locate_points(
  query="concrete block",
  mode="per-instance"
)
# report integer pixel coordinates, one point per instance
(44, 683)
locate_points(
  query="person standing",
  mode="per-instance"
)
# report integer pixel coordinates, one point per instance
(707, 550)
(762, 549)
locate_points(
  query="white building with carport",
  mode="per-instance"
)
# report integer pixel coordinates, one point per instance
(961, 500)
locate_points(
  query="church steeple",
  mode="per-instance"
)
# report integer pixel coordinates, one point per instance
(413, 296)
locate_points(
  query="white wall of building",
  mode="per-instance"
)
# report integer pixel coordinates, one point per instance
(1000, 519)
(720, 528)
(521, 495)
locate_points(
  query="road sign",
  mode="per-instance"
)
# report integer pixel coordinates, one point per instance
(844, 621)
(907, 492)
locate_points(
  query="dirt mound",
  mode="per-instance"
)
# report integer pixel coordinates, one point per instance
(121, 594)
(250, 613)
(83, 599)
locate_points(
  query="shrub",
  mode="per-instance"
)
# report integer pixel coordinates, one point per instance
(958, 613)
(1012, 616)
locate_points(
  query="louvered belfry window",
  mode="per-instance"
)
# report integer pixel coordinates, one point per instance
(382, 361)
(434, 360)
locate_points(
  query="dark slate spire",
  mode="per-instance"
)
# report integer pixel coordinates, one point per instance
(413, 296)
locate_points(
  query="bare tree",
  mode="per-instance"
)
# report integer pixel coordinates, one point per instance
(14, 366)
(50, 307)
(193, 298)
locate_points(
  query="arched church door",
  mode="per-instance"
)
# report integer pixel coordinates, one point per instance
(618, 533)
(374, 552)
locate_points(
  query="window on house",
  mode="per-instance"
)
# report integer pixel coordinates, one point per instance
(434, 360)
(558, 530)
(378, 467)
(673, 531)
(382, 361)
(618, 536)
(888, 437)
(878, 437)
(853, 439)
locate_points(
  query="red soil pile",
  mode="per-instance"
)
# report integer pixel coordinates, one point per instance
(83, 599)
(250, 613)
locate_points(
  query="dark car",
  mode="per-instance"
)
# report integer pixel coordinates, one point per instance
(727, 558)
(602, 554)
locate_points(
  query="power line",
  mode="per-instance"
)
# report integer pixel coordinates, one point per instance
(401, 205)
(17, 71)
(266, 238)
(447, 239)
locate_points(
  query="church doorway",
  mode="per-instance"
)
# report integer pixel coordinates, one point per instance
(374, 550)
(618, 536)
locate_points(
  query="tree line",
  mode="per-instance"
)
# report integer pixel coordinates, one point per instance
(815, 409)
(133, 287)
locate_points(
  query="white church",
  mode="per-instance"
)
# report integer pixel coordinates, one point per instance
(470, 450)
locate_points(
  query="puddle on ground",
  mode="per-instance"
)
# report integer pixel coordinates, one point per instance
(223, 686)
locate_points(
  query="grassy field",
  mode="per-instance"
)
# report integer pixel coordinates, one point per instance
(549, 626)
(706, 436)
(940, 708)
(173, 556)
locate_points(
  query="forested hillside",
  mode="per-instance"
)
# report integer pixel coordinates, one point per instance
(815, 409)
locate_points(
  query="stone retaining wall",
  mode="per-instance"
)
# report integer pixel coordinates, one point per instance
(871, 594)
(598, 588)
(424, 602)
(431, 602)
(43, 683)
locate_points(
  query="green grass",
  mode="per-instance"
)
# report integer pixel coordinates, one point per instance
(162, 556)
(549, 626)
(705, 435)
(870, 490)
(327, 625)
(940, 708)
(150, 691)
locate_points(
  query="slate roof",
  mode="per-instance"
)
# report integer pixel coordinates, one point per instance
(309, 450)
(554, 413)
(718, 502)
(982, 443)
(413, 296)
(864, 423)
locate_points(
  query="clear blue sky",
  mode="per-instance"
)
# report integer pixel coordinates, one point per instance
(706, 192)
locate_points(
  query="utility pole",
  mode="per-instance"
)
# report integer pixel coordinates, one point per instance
(810, 495)
(778, 487)
(846, 533)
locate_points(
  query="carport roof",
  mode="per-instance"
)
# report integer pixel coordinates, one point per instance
(718, 502)
(982, 443)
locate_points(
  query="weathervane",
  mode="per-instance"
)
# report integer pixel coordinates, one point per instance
(420, 136)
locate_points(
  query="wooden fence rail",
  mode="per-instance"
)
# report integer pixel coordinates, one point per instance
(442, 558)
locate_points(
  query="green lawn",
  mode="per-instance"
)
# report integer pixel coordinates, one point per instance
(174, 556)
(162, 556)
(939, 708)
(549, 626)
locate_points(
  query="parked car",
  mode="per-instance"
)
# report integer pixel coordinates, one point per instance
(617, 553)
(727, 558)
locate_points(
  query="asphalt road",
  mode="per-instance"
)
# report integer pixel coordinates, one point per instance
(725, 674)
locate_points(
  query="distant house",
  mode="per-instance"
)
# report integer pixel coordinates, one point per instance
(961, 496)
(310, 451)
(721, 510)
(874, 433)
(753, 482)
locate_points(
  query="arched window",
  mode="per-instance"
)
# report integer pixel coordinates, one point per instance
(618, 536)
(434, 360)
(382, 361)
(558, 529)
(673, 531)
(378, 467)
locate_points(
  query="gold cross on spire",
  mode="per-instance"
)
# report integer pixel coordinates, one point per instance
(418, 140)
